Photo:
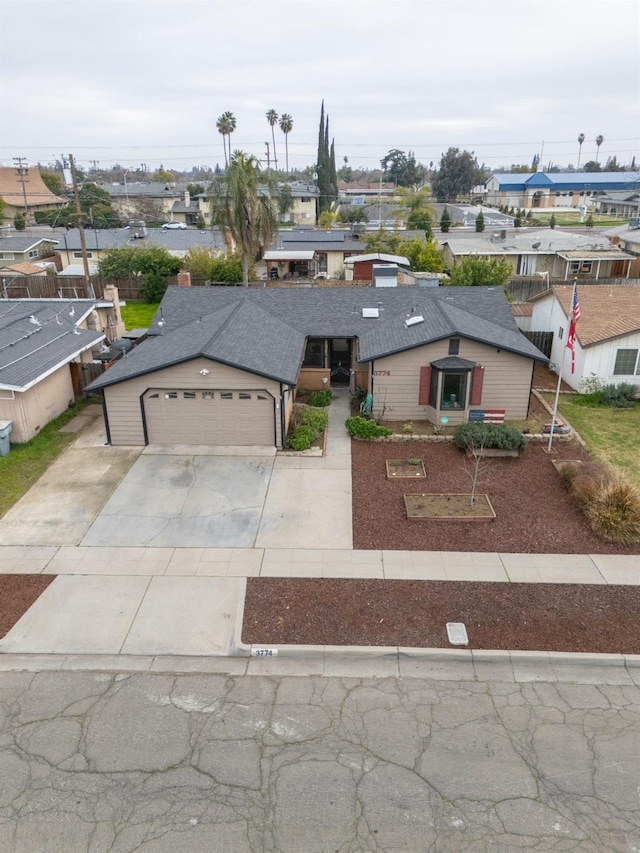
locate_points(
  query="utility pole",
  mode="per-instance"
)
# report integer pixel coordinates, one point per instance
(268, 160)
(83, 242)
(23, 178)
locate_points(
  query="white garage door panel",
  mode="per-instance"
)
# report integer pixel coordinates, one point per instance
(209, 417)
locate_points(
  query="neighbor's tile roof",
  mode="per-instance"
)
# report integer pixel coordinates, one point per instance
(263, 330)
(606, 311)
(37, 193)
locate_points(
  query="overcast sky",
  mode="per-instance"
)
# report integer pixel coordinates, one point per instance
(144, 80)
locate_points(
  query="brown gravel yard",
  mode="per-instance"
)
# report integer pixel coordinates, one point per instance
(533, 511)
(528, 617)
(17, 594)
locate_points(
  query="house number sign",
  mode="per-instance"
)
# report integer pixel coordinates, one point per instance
(382, 373)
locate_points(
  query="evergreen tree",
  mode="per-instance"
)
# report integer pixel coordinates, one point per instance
(479, 222)
(445, 221)
(326, 166)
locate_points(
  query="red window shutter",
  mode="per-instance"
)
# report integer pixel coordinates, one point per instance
(425, 384)
(476, 385)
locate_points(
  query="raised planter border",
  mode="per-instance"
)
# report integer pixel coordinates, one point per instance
(480, 518)
(419, 469)
(492, 452)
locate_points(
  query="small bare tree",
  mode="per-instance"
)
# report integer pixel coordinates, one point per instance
(476, 463)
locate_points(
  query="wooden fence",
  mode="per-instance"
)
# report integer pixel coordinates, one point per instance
(542, 340)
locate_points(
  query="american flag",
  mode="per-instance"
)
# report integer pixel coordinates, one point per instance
(574, 316)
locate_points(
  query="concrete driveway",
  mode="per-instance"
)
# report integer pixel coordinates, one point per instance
(188, 497)
(208, 497)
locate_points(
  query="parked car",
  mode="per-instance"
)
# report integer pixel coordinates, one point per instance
(175, 226)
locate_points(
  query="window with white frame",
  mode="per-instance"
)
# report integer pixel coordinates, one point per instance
(627, 363)
(576, 267)
(79, 254)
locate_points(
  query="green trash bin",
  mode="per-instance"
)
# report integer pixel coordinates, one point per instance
(5, 432)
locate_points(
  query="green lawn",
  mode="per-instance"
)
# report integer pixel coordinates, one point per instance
(599, 220)
(610, 434)
(138, 315)
(27, 462)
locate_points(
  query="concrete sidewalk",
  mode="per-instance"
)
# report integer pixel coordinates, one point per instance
(321, 563)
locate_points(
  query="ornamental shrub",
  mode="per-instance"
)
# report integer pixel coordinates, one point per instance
(473, 435)
(611, 505)
(365, 429)
(319, 398)
(619, 396)
(307, 426)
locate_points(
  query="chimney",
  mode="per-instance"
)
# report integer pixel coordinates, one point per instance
(187, 198)
(110, 294)
(615, 241)
(184, 278)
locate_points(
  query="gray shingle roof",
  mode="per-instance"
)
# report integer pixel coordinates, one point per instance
(28, 351)
(263, 330)
(240, 334)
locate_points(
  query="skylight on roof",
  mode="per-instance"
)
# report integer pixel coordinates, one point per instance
(413, 321)
(370, 313)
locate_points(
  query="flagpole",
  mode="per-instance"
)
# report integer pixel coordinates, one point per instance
(554, 414)
(572, 322)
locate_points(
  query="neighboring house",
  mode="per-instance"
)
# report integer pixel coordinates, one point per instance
(224, 366)
(144, 200)
(546, 252)
(311, 252)
(607, 333)
(556, 189)
(177, 243)
(304, 203)
(627, 237)
(26, 191)
(622, 203)
(28, 268)
(18, 247)
(46, 353)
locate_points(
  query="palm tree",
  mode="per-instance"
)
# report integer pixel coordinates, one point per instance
(226, 124)
(272, 118)
(581, 139)
(242, 207)
(286, 126)
(599, 141)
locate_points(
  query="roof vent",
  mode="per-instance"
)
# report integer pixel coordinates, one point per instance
(413, 321)
(370, 313)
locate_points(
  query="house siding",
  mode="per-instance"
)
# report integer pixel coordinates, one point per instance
(123, 400)
(601, 358)
(507, 381)
(33, 409)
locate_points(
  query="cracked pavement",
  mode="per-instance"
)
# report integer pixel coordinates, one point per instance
(94, 762)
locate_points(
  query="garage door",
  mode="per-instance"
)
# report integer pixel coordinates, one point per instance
(209, 417)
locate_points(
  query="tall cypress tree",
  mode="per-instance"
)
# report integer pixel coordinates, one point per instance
(333, 174)
(323, 165)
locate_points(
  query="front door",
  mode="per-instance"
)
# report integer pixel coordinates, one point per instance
(340, 360)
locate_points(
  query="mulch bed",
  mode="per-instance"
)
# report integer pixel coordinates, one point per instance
(533, 511)
(528, 617)
(17, 594)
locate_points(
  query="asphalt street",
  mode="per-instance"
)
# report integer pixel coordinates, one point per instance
(92, 762)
